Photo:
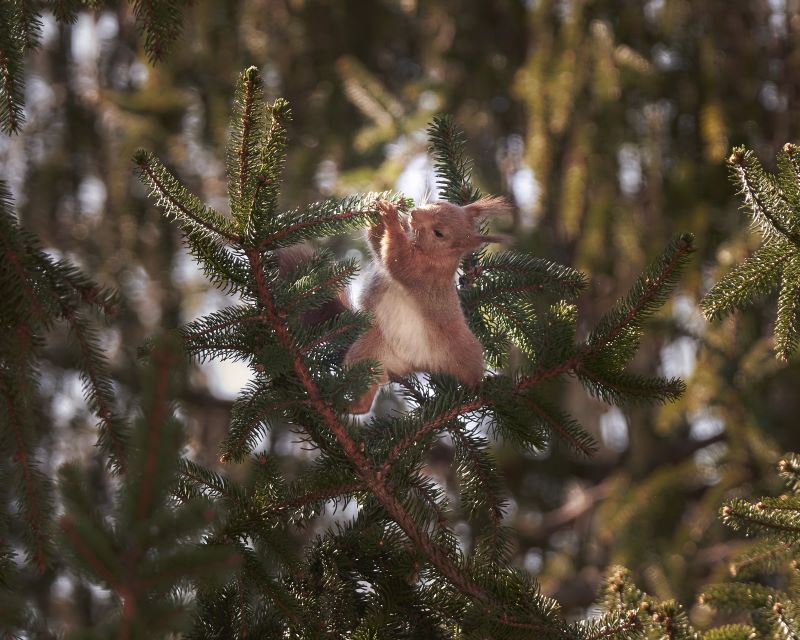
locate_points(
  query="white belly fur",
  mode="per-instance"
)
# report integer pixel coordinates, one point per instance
(403, 328)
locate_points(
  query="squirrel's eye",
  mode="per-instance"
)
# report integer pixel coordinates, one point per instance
(438, 233)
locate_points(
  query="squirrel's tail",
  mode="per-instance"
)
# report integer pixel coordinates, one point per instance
(289, 258)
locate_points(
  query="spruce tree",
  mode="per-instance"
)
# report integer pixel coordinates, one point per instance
(298, 378)
(146, 550)
(761, 602)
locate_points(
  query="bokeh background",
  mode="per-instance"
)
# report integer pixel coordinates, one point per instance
(607, 123)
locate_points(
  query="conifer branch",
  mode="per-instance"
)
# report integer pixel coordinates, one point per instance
(12, 257)
(334, 282)
(649, 292)
(253, 568)
(208, 329)
(480, 469)
(787, 324)
(98, 392)
(752, 279)
(88, 292)
(34, 515)
(495, 506)
(428, 426)
(245, 426)
(156, 421)
(211, 482)
(67, 524)
(789, 470)
(731, 597)
(12, 50)
(424, 491)
(172, 195)
(65, 10)
(453, 168)
(742, 162)
(250, 78)
(625, 388)
(272, 161)
(785, 624)
(617, 629)
(329, 335)
(326, 493)
(774, 203)
(557, 424)
(246, 149)
(317, 223)
(740, 514)
(12, 110)
(765, 556)
(162, 23)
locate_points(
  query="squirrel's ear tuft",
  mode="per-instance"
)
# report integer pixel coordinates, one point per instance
(488, 206)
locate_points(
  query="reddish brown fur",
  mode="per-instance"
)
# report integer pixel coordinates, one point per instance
(418, 322)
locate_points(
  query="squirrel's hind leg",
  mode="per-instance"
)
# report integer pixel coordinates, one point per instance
(364, 403)
(369, 346)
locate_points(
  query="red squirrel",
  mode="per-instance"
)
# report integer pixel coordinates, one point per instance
(418, 323)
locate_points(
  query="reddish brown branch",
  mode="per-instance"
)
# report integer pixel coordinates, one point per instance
(327, 336)
(231, 237)
(555, 425)
(643, 300)
(332, 280)
(427, 427)
(67, 525)
(315, 496)
(292, 228)
(224, 325)
(155, 426)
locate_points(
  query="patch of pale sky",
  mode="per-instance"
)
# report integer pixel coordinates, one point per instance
(614, 429)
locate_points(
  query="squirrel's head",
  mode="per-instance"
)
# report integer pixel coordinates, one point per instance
(449, 230)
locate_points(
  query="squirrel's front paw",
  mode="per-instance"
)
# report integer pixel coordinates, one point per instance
(387, 210)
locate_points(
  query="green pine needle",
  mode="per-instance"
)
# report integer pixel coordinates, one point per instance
(774, 205)
(647, 294)
(245, 148)
(453, 168)
(756, 277)
(14, 40)
(162, 23)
